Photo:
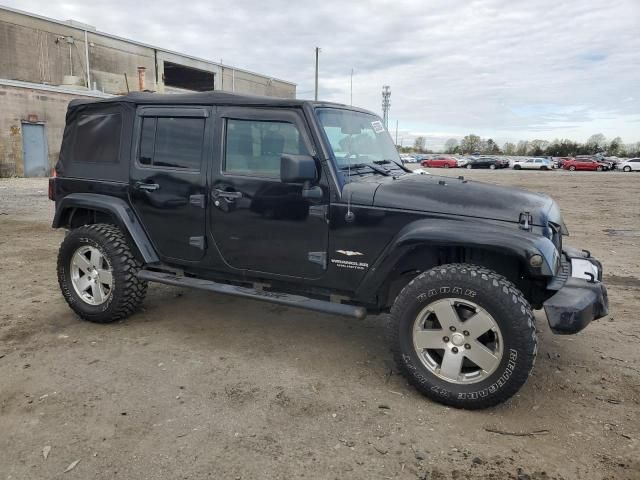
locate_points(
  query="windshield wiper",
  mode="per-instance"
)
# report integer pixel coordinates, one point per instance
(358, 166)
(395, 165)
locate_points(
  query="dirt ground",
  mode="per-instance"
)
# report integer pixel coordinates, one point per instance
(199, 385)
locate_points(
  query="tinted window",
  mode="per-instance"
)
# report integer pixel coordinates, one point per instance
(172, 142)
(97, 138)
(254, 147)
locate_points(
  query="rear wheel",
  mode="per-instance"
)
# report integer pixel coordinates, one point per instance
(572, 168)
(463, 336)
(492, 167)
(469, 167)
(97, 274)
(446, 165)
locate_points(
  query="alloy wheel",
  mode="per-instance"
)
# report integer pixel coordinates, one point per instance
(91, 275)
(457, 340)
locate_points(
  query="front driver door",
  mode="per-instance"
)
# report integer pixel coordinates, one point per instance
(258, 223)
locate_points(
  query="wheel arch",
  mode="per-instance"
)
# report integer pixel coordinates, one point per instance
(79, 209)
(426, 244)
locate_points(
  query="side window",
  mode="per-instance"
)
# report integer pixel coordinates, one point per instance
(172, 142)
(97, 138)
(254, 147)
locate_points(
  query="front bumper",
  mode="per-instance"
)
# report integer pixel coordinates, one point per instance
(582, 296)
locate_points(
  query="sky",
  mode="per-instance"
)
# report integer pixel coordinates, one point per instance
(502, 69)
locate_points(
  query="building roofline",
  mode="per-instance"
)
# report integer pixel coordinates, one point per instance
(54, 88)
(140, 44)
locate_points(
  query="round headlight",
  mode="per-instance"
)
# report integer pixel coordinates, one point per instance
(536, 261)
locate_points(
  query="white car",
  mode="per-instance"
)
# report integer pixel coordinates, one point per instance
(629, 165)
(462, 162)
(533, 164)
(407, 158)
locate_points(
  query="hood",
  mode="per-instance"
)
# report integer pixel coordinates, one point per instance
(454, 196)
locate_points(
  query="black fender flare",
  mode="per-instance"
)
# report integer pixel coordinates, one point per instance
(433, 233)
(120, 210)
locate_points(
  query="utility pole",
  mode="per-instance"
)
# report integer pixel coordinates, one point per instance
(317, 55)
(351, 89)
(386, 103)
(396, 133)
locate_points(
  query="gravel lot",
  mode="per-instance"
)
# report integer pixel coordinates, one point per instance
(199, 385)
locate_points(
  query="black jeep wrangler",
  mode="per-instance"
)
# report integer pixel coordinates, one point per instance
(307, 204)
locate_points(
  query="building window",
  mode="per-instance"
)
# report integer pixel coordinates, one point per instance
(188, 78)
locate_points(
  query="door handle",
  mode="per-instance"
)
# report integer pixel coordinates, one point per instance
(229, 196)
(148, 187)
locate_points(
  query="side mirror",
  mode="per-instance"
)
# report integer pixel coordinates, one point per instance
(298, 169)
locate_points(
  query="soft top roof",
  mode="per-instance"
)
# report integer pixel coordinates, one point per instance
(206, 98)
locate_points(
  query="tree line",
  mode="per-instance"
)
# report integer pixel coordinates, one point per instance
(472, 143)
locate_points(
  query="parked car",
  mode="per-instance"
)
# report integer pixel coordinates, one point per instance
(633, 164)
(484, 162)
(560, 160)
(407, 158)
(533, 164)
(462, 162)
(440, 162)
(166, 189)
(582, 163)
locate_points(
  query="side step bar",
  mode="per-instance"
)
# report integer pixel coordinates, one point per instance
(245, 292)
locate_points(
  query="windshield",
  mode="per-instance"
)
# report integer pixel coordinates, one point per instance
(357, 138)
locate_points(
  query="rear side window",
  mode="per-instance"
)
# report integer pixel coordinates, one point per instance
(97, 138)
(254, 147)
(171, 142)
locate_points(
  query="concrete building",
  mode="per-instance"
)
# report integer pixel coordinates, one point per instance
(44, 63)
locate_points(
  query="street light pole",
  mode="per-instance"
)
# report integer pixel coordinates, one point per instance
(317, 54)
(396, 132)
(351, 88)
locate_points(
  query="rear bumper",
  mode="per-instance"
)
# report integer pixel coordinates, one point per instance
(579, 301)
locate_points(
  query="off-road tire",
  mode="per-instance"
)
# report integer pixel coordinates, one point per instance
(499, 297)
(128, 290)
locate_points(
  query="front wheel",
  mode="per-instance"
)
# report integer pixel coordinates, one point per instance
(446, 165)
(517, 167)
(463, 336)
(627, 169)
(97, 274)
(469, 167)
(599, 168)
(492, 167)
(572, 168)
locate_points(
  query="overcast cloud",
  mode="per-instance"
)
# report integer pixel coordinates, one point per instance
(505, 69)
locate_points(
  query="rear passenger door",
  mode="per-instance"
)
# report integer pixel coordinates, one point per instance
(168, 179)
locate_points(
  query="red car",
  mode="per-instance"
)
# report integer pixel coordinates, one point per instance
(445, 162)
(584, 164)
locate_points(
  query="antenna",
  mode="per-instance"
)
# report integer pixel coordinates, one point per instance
(350, 216)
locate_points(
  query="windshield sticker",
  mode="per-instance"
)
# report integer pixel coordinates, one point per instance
(377, 126)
